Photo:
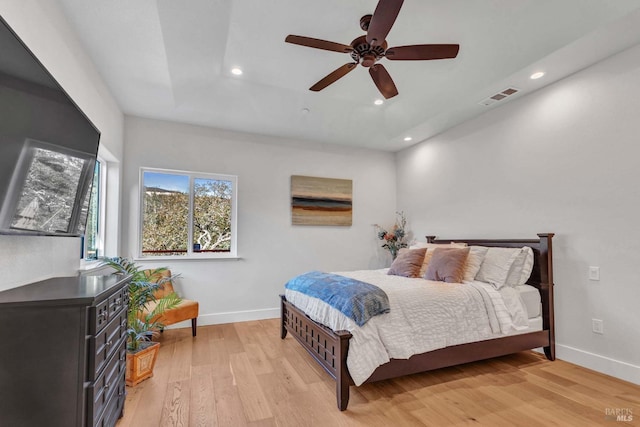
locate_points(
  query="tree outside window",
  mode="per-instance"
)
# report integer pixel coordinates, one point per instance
(186, 214)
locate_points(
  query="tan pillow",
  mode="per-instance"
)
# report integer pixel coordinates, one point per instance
(408, 262)
(447, 265)
(430, 248)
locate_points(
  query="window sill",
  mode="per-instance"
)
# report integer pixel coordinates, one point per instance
(187, 258)
(89, 264)
(90, 267)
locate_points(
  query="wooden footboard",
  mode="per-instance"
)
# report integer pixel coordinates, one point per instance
(330, 348)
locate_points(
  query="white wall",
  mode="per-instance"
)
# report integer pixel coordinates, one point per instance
(43, 27)
(564, 160)
(272, 250)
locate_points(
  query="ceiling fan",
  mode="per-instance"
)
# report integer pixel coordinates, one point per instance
(367, 50)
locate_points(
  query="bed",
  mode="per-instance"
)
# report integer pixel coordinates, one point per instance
(330, 348)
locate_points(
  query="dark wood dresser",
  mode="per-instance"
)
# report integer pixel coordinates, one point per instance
(63, 352)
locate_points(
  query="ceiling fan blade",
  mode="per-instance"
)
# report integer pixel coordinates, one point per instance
(422, 52)
(318, 44)
(383, 81)
(382, 20)
(333, 76)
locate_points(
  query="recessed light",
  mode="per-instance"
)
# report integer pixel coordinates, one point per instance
(537, 75)
(236, 71)
(378, 102)
(407, 138)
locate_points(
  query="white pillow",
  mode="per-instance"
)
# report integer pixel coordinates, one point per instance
(521, 268)
(474, 261)
(496, 265)
(528, 266)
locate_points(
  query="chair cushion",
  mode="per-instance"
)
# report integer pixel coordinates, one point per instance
(186, 310)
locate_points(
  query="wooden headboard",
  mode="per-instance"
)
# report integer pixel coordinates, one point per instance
(541, 275)
(543, 264)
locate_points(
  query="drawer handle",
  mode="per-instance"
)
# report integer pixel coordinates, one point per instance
(119, 301)
(106, 386)
(110, 342)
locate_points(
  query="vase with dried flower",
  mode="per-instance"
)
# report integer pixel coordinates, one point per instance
(394, 239)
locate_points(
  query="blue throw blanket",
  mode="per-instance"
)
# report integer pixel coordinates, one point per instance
(358, 300)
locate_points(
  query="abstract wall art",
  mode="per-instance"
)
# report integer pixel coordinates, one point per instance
(321, 201)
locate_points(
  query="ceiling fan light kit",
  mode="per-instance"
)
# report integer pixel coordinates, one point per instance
(370, 48)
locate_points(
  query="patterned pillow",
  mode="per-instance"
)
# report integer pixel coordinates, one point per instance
(447, 265)
(407, 263)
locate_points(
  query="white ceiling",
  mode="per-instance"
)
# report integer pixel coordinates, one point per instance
(171, 59)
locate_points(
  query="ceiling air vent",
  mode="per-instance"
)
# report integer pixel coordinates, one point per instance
(500, 96)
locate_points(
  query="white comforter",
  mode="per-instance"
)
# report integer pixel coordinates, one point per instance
(424, 316)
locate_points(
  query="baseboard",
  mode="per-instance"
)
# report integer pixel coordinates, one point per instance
(231, 317)
(615, 368)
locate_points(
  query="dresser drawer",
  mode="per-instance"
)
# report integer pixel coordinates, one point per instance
(112, 410)
(106, 343)
(117, 301)
(109, 385)
(103, 312)
(98, 317)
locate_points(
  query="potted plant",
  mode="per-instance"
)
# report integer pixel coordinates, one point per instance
(141, 351)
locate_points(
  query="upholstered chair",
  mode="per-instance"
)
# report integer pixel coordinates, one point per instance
(186, 310)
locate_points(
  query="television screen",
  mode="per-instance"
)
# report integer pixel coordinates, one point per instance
(48, 148)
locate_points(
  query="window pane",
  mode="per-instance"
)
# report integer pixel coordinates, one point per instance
(91, 232)
(165, 214)
(212, 215)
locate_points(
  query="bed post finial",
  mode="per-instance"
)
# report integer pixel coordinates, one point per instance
(430, 239)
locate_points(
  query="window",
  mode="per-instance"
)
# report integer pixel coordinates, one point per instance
(186, 214)
(94, 232)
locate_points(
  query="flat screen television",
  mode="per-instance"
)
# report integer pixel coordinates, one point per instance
(48, 148)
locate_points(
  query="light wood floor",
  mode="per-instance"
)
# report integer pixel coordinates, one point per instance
(243, 374)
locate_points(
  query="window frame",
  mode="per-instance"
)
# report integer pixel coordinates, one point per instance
(232, 254)
(102, 215)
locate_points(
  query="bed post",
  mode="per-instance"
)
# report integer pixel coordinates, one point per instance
(343, 379)
(546, 287)
(283, 329)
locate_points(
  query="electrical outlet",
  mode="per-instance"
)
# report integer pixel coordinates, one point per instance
(594, 273)
(597, 326)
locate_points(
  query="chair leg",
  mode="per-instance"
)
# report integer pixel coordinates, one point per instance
(193, 326)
